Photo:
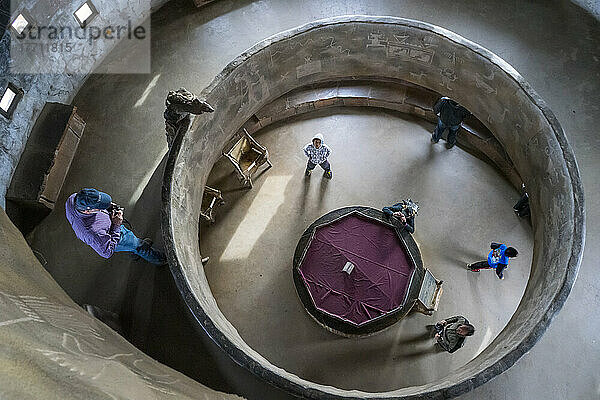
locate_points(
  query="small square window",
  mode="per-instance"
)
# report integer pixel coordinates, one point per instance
(85, 13)
(9, 100)
(21, 23)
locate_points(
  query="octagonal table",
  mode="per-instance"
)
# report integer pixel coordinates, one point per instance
(358, 272)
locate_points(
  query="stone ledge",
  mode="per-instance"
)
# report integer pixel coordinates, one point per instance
(400, 96)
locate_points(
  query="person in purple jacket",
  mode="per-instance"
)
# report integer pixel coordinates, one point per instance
(102, 229)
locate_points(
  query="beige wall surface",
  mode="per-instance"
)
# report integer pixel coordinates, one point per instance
(50, 348)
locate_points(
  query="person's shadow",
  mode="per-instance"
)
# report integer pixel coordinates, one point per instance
(305, 189)
(434, 349)
(413, 341)
(323, 189)
(419, 338)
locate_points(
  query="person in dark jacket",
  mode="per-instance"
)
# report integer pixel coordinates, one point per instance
(497, 259)
(405, 212)
(451, 333)
(450, 116)
(522, 207)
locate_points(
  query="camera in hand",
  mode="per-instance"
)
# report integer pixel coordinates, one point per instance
(113, 208)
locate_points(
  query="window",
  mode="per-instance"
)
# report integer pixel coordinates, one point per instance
(85, 13)
(9, 100)
(21, 22)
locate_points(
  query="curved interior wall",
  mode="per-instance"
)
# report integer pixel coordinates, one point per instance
(361, 47)
(396, 95)
(51, 348)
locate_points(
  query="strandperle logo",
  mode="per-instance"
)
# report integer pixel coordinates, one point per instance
(66, 37)
(88, 33)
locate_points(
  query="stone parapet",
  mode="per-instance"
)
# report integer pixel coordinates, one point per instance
(362, 47)
(400, 96)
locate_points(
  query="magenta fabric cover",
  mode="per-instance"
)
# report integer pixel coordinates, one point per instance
(379, 280)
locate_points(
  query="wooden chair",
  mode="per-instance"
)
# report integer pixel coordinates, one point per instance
(429, 295)
(212, 197)
(247, 155)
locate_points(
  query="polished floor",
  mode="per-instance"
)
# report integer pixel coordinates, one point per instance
(554, 45)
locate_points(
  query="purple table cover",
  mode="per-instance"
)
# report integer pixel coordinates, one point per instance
(381, 276)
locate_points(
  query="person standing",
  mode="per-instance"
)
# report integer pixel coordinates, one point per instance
(450, 116)
(405, 212)
(100, 226)
(497, 259)
(521, 208)
(451, 332)
(317, 152)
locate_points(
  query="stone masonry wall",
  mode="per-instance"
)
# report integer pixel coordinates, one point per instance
(56, 87)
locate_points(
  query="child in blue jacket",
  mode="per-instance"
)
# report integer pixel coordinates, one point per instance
(497, 259)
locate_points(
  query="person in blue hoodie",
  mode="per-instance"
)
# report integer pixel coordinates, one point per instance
(497, 259)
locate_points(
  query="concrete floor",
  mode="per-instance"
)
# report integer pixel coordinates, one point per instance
(377, 158)
(554, 45)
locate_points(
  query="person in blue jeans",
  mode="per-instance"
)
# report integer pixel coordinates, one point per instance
(450, 116)
(497, 259)
(405, 212)
(100, 226)
(139, 247)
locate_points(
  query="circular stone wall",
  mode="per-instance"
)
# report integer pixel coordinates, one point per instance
(365, 47)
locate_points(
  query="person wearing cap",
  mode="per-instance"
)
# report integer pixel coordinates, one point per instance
(317, 153)
(88, 215)
(451, 332)
(497, 259)
(405, 212)
(450, 116)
